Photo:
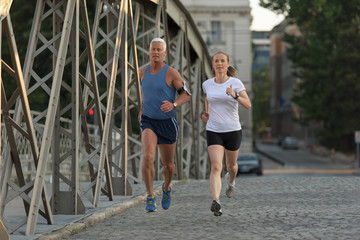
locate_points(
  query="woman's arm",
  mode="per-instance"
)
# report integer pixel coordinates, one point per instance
(244, 100)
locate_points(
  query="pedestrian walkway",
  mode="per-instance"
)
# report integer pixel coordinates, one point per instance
(268, 207)
(64, 225)
(312, 171)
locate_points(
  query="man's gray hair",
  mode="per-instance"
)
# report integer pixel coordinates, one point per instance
(159, 40)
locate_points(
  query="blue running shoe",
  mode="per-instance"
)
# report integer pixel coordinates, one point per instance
(151, 203)
(166, 198)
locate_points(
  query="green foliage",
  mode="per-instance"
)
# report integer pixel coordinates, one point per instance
(21, 17)
(260, 102)
(326, 58)
(280, 6)
(22, 14)
(342, 93)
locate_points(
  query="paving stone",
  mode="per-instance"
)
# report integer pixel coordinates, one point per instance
(297, 207)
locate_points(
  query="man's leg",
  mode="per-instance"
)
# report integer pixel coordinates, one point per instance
(167, 152)
(149, 142)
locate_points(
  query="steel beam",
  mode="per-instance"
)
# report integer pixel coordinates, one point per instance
(109, 85)
(12, 124)
(3, 233)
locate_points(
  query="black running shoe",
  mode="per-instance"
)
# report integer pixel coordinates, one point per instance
(216, 208)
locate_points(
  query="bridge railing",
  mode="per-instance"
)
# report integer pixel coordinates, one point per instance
(96, 69)
(25, 153)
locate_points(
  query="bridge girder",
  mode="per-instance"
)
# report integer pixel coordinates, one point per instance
(99, 71)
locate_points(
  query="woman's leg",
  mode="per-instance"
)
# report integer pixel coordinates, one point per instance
(216, 154)
(231, 164)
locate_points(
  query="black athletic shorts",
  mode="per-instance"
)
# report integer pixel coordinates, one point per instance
(229, 140)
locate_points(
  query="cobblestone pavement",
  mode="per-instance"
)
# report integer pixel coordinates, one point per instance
(275, 207)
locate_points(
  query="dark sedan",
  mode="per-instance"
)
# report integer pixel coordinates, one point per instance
(249, 163)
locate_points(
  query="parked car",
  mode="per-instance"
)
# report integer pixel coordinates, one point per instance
(249, 163)
(290, 143)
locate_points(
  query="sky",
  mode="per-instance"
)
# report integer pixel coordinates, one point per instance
(263, 19)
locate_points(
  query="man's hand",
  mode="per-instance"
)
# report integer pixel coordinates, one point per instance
(167, 106)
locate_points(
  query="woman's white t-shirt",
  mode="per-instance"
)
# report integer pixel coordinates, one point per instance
(223, 108)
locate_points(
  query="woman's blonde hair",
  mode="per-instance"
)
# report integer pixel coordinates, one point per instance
(231, 71)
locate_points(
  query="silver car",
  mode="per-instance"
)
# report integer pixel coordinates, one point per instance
(249, 163)
(290, 143)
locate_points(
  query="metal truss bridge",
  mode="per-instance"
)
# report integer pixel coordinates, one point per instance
(90, 65)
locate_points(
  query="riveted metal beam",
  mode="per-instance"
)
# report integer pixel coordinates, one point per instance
(101, 158)
(14, 129)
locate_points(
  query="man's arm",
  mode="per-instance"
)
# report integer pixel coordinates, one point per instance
(141, 75)
(174, 80)
(178, 84)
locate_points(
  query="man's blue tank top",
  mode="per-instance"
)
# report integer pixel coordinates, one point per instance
(155, 90)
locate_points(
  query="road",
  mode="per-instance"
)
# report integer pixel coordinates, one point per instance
(286, 207)
(280, 205)
(297, 161)
(305, 197)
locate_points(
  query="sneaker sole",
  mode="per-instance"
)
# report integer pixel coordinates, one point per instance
(217, 214)
(165, 208)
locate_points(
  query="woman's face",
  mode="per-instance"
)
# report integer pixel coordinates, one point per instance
(220, 63)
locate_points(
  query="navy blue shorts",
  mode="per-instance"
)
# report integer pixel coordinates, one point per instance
(229, 140)
(166, 130)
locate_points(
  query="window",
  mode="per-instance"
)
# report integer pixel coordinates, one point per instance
(215, 31)
(201, 24)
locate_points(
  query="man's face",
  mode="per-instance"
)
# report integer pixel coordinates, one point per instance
(157, 52)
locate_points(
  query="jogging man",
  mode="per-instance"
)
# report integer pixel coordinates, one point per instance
(159, 84)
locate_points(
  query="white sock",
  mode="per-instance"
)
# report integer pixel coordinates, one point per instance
(230, 184)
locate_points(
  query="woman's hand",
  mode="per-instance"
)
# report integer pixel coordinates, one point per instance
(205, 116)
(230, 91)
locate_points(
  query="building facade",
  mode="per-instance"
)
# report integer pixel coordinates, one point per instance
(225, 26)
(260, 79)
(260, 50)
(284, 112)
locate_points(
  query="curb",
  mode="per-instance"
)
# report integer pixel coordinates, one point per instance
(270, 157)
(98, 216)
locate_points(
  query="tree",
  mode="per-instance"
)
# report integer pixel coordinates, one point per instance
(260, 102)
(324, 25)
(342, 92)
(22, 13)
(21, 17)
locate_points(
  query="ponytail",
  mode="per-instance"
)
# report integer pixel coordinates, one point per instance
(231, 72)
